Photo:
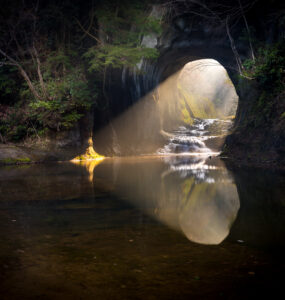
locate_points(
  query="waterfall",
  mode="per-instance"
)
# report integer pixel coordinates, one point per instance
(194, 139)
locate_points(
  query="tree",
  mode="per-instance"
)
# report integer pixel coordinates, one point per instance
(121, 27)
(35, 39)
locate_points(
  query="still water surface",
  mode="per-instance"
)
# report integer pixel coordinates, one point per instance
(168, 227)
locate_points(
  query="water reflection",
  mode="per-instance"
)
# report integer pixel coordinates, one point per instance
(192, 194)
(71, 231)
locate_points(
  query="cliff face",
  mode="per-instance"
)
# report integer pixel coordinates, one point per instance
(130, 118)
(258, 133)
(186, 38)
(258, 137)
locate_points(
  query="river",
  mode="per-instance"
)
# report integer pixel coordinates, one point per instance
(167, 226)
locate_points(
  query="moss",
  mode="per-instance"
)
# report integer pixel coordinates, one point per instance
(261, 100)
(15, 161)
(193, 106)
(90, 153)
(186, 116)
(88, 156)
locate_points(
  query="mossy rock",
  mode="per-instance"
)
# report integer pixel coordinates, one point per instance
(15, 161)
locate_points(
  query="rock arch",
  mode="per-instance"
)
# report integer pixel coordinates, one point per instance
(137, 130)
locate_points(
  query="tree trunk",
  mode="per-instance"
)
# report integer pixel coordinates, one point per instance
(248, 31)
(40, 73)
(235, 52)
(24, 74)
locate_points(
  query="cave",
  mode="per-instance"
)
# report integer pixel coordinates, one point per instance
(197, 106)
(134, 124)
(141, 116)
(142, 149)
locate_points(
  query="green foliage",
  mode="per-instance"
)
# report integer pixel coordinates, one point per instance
(117, 56)
(68, 95)
(194, 106)
(43, 38)
(122, 28)
(268, 68)
(66, 98)
(126, 21)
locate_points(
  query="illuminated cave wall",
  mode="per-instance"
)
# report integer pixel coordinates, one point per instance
(135, 99)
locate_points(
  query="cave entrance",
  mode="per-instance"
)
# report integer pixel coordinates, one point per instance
(198, 107)
(189, 108)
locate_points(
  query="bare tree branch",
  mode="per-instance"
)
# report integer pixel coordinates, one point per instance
(235, 52)
(248, 31)
(24, 74)
(39, 72)
(87, 32)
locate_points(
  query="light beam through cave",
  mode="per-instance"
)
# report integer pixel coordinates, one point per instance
(189, 113)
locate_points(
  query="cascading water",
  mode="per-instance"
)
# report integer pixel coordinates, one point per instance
(200, 138)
